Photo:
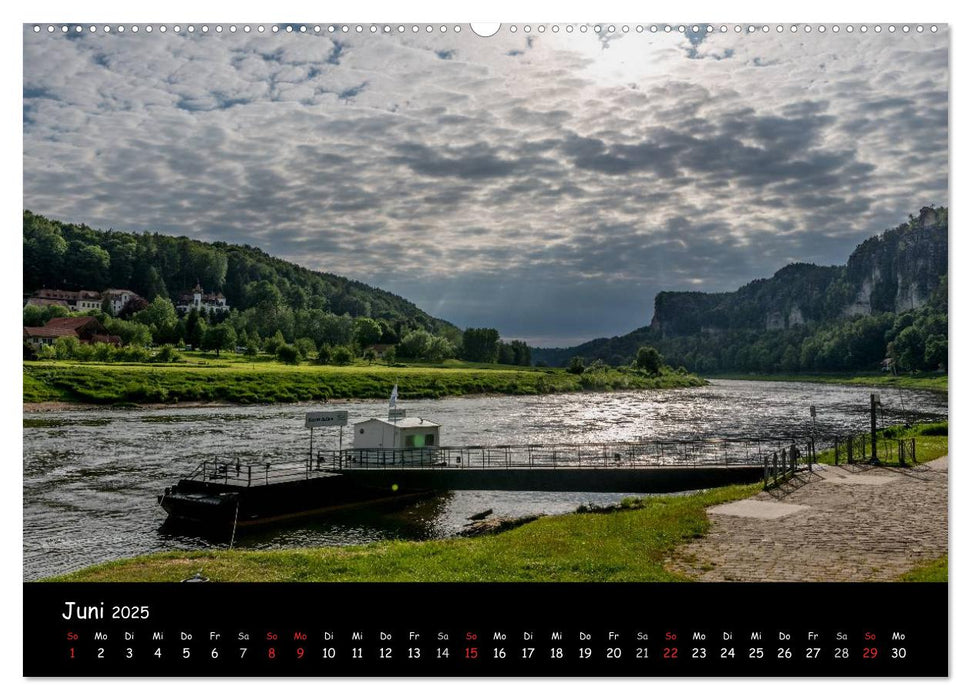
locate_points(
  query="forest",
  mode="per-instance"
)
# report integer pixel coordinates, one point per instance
(277, 307)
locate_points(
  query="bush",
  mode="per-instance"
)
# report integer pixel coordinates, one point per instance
(288, 354)
(342, 355)
(649, 359)
(166, 354)
(66, 348)
(305, 346)
(575, 366)
(324, 354)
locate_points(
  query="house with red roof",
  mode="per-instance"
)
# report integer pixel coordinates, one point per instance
(87, 329)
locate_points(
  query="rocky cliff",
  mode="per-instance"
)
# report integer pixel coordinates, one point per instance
(895, 271)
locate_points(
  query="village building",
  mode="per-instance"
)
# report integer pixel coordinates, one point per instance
(199, 300)
(87, 329)
(119, 298)
(83, 300)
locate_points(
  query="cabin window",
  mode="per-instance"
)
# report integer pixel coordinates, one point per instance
(409, 440)
(430, 439)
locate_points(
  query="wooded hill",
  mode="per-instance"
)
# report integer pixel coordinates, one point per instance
(74, 256)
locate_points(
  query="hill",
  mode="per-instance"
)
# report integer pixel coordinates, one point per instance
(275, 292)
(806, 317)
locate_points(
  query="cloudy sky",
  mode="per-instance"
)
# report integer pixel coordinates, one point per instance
(546, 184)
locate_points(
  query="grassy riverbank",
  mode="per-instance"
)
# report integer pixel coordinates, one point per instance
(228, 381)
(932, 381)
(930, 441)
(932, 572)
(630, 544)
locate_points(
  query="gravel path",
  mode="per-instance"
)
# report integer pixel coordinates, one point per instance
(841, 524)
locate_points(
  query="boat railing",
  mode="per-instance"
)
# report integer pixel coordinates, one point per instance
(642, 454)
(232, 471)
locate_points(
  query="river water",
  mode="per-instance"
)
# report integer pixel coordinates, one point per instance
(91, 476)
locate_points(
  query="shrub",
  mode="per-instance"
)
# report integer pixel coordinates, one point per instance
(575, 366)
(342, 355)
(324, 354)
(166, 354)
(305, 346)
(287, 353)
(649, 359)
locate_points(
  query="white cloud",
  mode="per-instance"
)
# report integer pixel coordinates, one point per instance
(549, 169)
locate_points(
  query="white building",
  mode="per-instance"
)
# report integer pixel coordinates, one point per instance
(118, 298)
(377, 433)
(200, 301)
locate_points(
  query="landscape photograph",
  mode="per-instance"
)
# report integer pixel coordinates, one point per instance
(565, 303)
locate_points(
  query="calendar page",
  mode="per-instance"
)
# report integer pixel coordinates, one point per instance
(510, 350)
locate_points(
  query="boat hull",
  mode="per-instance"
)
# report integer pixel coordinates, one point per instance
(215, 504)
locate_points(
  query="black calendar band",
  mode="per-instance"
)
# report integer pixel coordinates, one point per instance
(494, 629)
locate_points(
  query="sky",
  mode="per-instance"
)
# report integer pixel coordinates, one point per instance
(545, 184)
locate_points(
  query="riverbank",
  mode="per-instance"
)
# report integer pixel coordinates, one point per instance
(931, 381)
(68, 382)
(846, 523)
(629, 544)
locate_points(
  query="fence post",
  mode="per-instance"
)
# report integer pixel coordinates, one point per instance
(249, 474)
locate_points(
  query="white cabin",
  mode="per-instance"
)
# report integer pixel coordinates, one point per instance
(377, 433)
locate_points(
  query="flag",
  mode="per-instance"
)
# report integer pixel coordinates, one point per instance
(394, 396)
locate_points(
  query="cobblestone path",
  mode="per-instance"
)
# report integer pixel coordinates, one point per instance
(857, 524)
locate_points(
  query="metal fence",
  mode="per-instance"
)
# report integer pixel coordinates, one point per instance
(781, 465)
(857, 449)
(617, 455)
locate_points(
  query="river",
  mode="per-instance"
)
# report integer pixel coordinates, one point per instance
(91, 476)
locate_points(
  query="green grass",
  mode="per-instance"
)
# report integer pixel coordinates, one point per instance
(932, 572)
(232, 380)
(629, 544)
(930, 441)
(932, 381)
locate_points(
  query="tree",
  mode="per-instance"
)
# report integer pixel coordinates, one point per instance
(908, 349)
(935, 352)
(131, 333)
(370, 356)
(649, 359)
(39, 315)
(415, 345)
(439, 349)
(288, 354)
(521, 353)
(273, 343)
(480, 344)
(219, 337)
(161, 318)
(342, 355)
(44, 251)
(323, 354)
(305, 346)
(576, 365)
(90, 263)
(66, 347)
(367, 332)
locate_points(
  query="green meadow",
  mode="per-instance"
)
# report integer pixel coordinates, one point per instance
(236, 380)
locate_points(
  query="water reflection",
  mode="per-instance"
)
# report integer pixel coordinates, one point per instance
(91, 476)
